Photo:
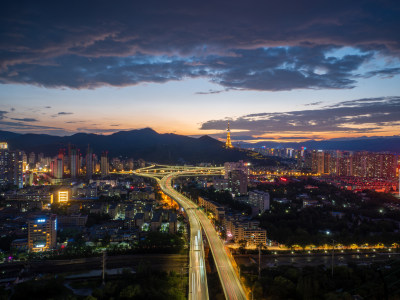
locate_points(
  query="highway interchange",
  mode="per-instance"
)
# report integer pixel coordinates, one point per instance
(198, 220)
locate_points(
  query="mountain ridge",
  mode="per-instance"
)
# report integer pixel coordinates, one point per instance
(140, 143)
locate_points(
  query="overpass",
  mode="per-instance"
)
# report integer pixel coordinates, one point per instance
(198, 289)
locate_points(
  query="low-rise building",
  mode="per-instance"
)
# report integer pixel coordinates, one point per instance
(130, 212)
(260, 200)
(239, 229)
(75, 220)
(113, 210)
(42, 232)
(97, 209)
(214, 207)
(19, 245)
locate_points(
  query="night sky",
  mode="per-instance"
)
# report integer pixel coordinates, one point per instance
(278, 70)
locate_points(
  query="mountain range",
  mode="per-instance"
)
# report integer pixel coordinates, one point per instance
(172, 148)
(142, 143)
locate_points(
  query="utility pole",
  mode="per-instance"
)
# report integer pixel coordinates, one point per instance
(104, 268)
(180, 284)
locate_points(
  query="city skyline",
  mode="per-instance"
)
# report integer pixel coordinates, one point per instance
(331, 72)
(199, 149)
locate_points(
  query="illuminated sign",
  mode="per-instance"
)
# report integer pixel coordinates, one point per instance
(63, 196)
(40, 246)
(41, 220)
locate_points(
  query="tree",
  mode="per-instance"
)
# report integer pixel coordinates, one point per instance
(131, 291)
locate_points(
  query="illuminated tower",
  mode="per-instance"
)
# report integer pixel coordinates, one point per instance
(228, 143)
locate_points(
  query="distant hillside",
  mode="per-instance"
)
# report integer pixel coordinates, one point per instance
(375, 144)
(142, 143)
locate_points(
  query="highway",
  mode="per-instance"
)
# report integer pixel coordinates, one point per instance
(229, 279)
(198, 288)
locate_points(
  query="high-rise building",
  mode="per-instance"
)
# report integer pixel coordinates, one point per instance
(24, 159)
(10, 166)
(236, 175)
(104, 166)
(141, 163)
(240, 165)
(129, 165)
(320, 162)
(117, 164)
(52, 168)
(74, 160)
(57, 167)
(32, 158)
(374, 165)
(59, 170)
(237, 182)
(228, 143)
(260, 200)
(42, 232)
(89, 163)
(359, 164)
(40, 158)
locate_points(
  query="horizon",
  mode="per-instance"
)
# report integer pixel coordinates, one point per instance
(216, 138)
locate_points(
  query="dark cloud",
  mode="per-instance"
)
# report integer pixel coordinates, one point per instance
(386, 73)
(100, 130)
(3, 114)
(286, 68)
(12, 109)
(9, 125)
(251, 137)
(356, 116)
(25, 119)
(62, 113)
(47, 107)
(259, 45)
(270, 69)
(313, 103)
(74, 122)
(246, 137)
(211, 92)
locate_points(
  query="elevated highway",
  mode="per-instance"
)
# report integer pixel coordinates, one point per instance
(230, 281)
(198, 288)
